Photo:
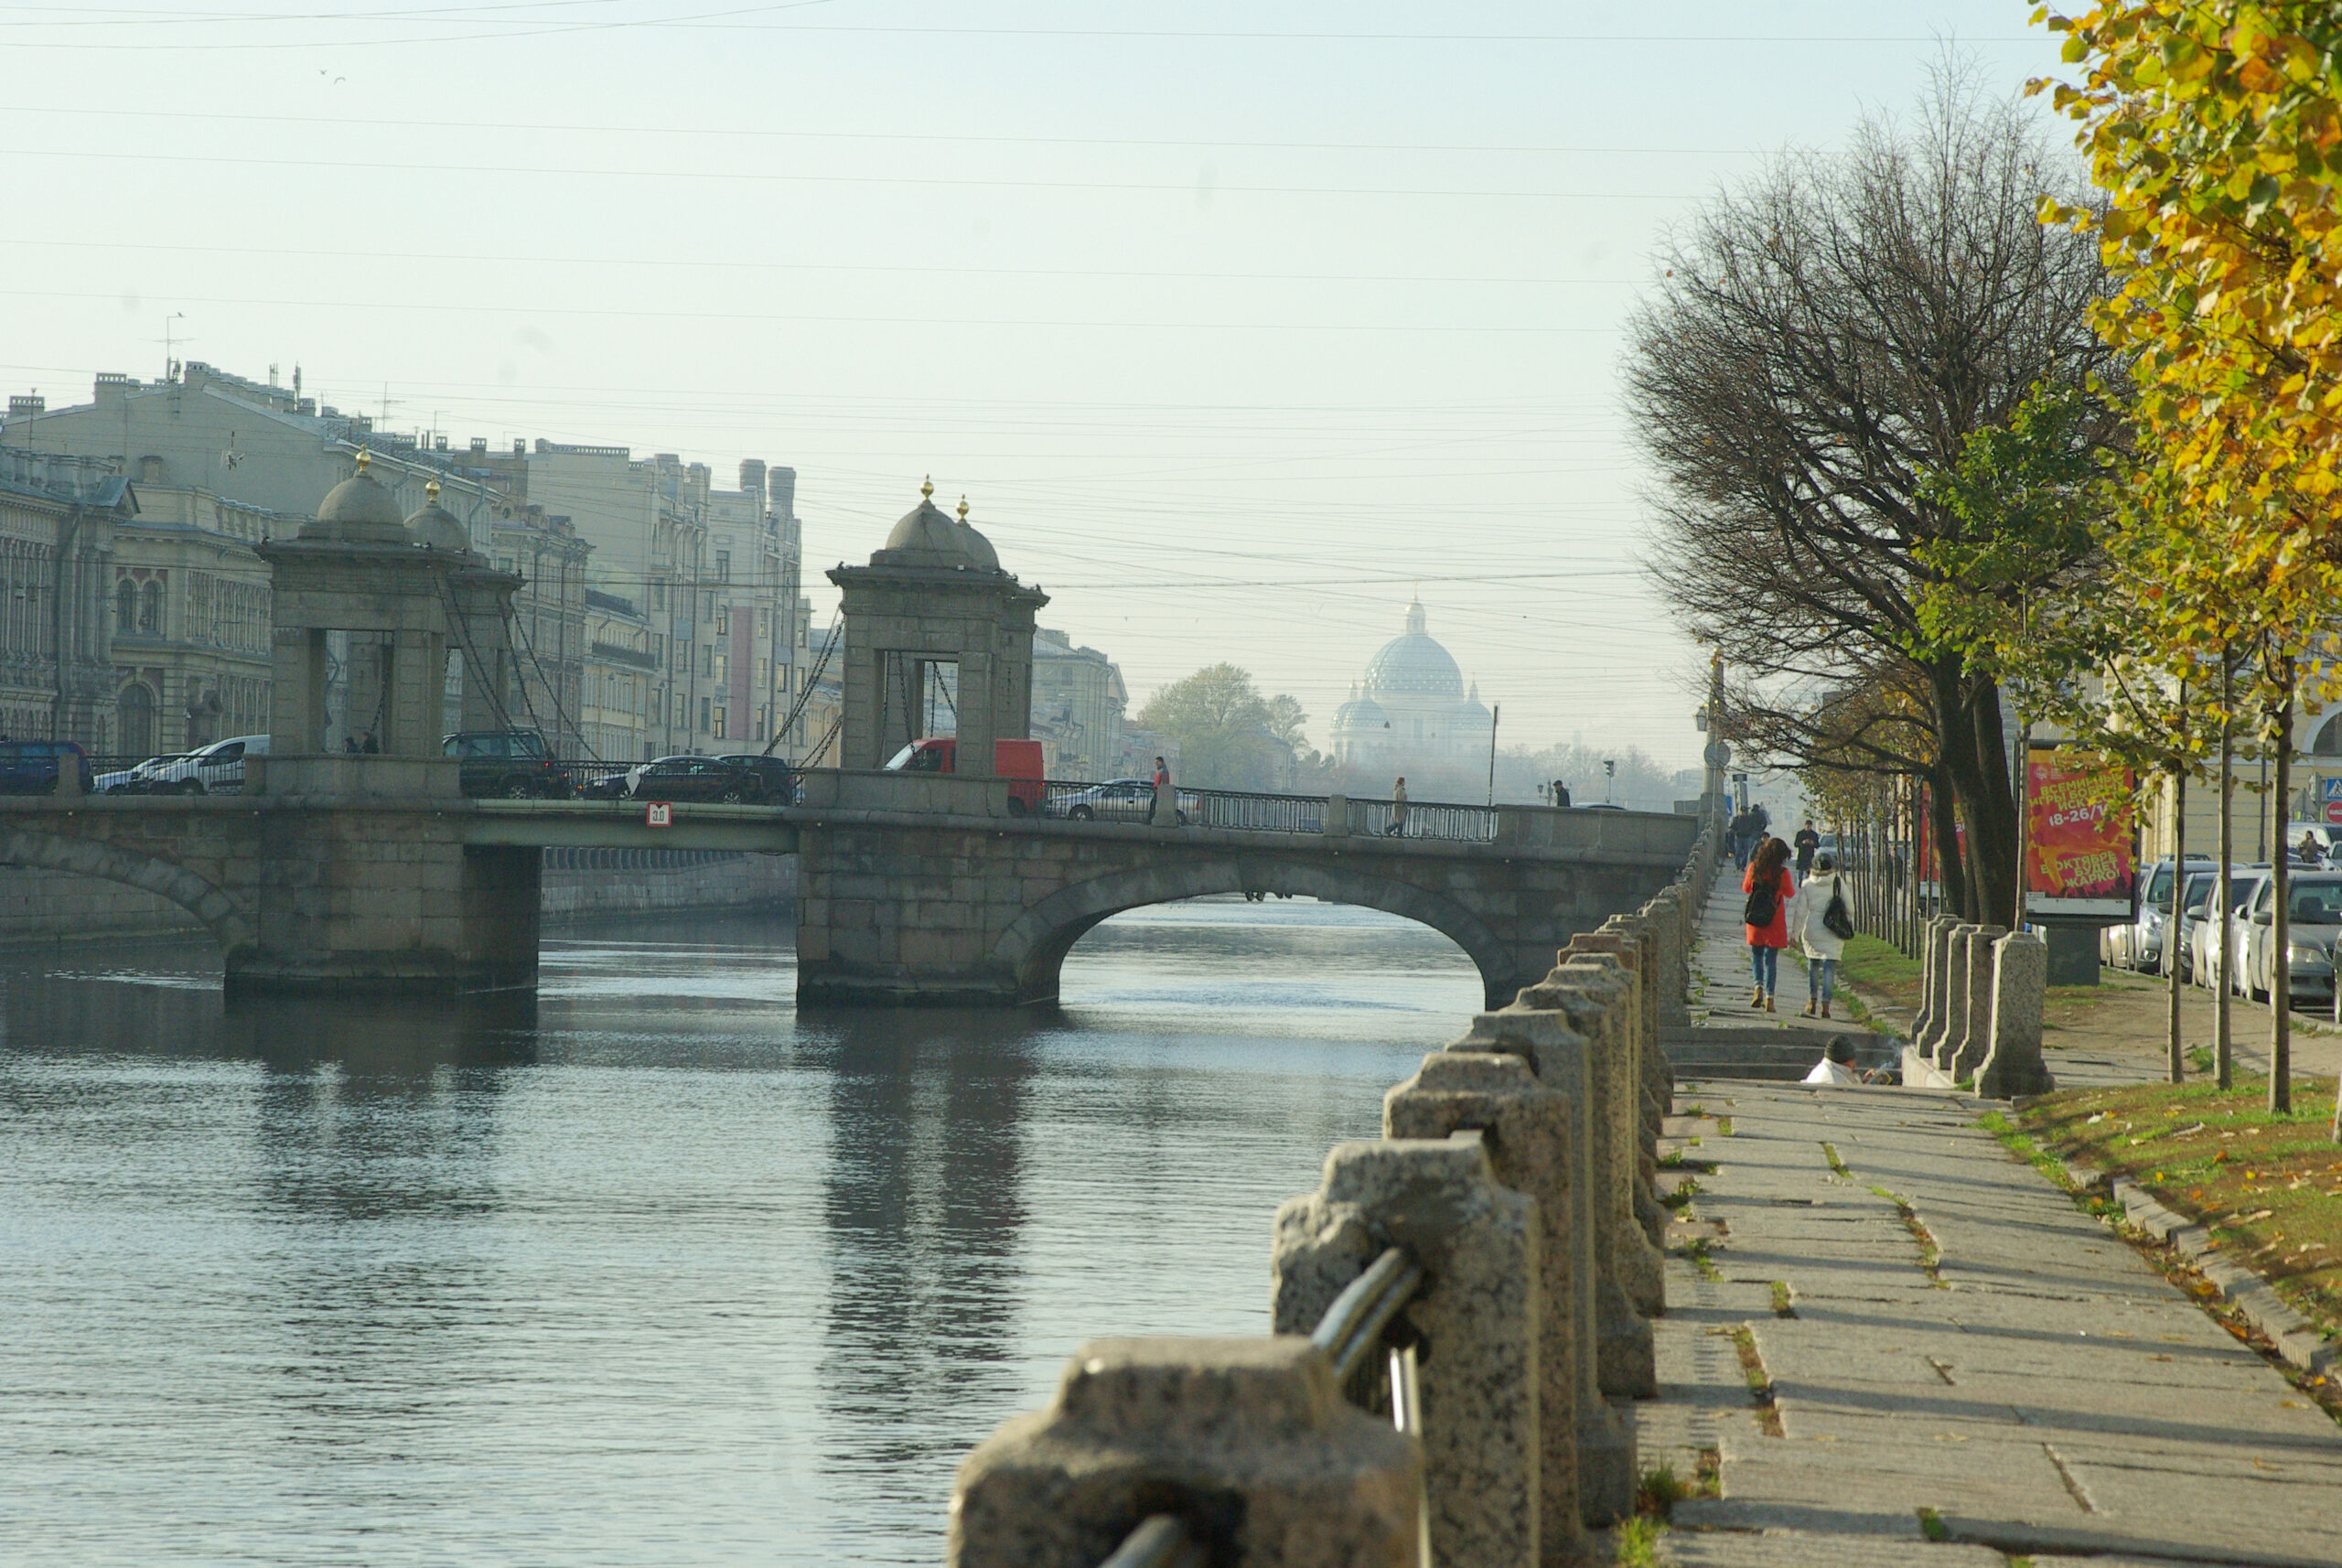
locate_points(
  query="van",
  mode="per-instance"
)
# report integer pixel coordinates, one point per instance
(1018, 761)
(33, 766)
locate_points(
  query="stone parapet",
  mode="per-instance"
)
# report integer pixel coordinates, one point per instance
(1247, 1441)
(1525, 1126)
(1478, 1308)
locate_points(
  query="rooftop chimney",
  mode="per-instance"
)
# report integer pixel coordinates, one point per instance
(23, 404)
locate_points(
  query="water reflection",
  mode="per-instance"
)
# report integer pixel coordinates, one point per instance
(652, 1268)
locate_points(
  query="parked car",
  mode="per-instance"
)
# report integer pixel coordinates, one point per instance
(2138, 943)
(729, 780)
(34, 767)
(1018, 761)
(515, 764)
(2244, 882)
(1118, 800)
(2193, 896)
(214, 770)
(2205, 918)
(775, 780)
(2316, 900)
(137, 779)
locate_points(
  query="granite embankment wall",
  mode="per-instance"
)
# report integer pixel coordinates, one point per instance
(38, 906)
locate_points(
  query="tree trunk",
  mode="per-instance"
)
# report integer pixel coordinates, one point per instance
(2281, 893)
(2227, 977)
(2175, 1066)
(1951, 879)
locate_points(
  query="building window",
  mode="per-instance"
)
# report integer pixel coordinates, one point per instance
(764, 619)
(763, 716)
(150, 610)
(723, 621)
(723, 566)
(126, 612)
(704, 716)
(135, 707)
(717, 728)
(707, 659)
(658, 596)
(722, 671)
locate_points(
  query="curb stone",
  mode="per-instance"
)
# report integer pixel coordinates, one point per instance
(2295, 1337)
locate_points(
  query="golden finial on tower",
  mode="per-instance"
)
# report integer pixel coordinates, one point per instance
(963, 508)
(432, 490)
(927, 488)
(364, 458)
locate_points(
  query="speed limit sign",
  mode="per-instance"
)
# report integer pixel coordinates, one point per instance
(658, 814)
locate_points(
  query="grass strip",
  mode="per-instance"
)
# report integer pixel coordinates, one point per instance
(1931, 1525)
(1930, 1255)
(1635, 1544)
(2268, 1187)
(1760, 1383)
(1685, 1190)
(1781, 1307)
(1697, 1251)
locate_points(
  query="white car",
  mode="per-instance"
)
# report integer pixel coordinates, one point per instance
(134, 780)
(1117, 800)
(216, 769)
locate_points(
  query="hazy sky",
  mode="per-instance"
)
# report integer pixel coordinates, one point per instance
(1233, 321)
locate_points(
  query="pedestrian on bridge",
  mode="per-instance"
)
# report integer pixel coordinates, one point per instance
(1398, 809)
(1769, 887)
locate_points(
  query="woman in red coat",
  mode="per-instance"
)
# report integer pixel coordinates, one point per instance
(1769, 883)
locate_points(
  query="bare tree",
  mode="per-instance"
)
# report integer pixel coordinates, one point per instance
(1824, 339)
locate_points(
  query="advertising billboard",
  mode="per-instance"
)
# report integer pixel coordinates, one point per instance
(2077, 836)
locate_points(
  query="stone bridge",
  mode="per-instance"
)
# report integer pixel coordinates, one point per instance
(337, 872)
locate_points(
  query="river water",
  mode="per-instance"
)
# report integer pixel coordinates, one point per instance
(666, 1273)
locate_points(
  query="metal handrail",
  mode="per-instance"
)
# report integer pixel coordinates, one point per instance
(1161, 1541)
(1351, 1327)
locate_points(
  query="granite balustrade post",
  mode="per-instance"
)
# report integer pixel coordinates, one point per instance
(1249, 1441)
(1631, 943)
(1478, 1311)
(1630, 1284)
(2012, 1064)
(1524, 1125)
(1954, 1018)
(1960, 1057)
(1929, 966)
(1940, 1019)
(1608, 1472)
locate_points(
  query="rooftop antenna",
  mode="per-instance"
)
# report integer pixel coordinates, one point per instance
(170, 341)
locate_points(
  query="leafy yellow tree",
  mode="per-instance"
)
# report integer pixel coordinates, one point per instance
(2214, 130)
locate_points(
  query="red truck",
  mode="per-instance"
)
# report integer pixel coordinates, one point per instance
(1018, 761)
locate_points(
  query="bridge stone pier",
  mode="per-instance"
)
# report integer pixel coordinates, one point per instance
(929, 891)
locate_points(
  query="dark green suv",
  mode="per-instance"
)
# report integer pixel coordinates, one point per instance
(514, 764)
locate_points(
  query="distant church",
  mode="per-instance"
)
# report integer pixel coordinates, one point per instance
(1412, 714)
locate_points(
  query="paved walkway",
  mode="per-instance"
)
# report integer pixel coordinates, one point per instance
(2041, 1389)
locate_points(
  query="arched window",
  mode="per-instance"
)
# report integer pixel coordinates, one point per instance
(126, 607)
(150, 611)
(2329, 738)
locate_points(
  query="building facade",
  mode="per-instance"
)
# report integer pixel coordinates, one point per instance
(58, 518)
(1078, 701)
(189, 602)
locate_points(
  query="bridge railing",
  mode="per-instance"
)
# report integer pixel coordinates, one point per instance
(1260, 813)
(1424, 819)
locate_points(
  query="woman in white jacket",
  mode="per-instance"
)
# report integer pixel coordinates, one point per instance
(1821, 946)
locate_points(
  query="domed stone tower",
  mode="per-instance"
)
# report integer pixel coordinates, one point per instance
(935, 596)
(365, 618)
(359, 510)
(1362, 730)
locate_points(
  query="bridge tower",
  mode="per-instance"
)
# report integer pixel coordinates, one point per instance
(364, 879)
(935, 594)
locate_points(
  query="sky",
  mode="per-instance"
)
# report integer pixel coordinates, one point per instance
(1236, 324)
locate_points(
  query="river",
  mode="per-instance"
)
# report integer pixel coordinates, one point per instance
(664, 1272)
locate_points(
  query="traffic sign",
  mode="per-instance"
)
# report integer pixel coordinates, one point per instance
(2334, 812)
(2332, 789)
(658, 814)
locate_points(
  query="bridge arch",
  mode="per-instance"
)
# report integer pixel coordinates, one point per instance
(91, 857)
(1035, 945)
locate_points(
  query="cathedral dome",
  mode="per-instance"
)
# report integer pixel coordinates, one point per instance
(359, 510)
(1412, 665)
(1361, 713)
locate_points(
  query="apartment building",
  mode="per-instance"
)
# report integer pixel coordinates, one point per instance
(58, 517)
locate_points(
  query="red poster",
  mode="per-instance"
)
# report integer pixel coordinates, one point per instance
(2076, 835)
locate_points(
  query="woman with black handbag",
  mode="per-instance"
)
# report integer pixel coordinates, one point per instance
(1769, 887)
(1820, 921)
